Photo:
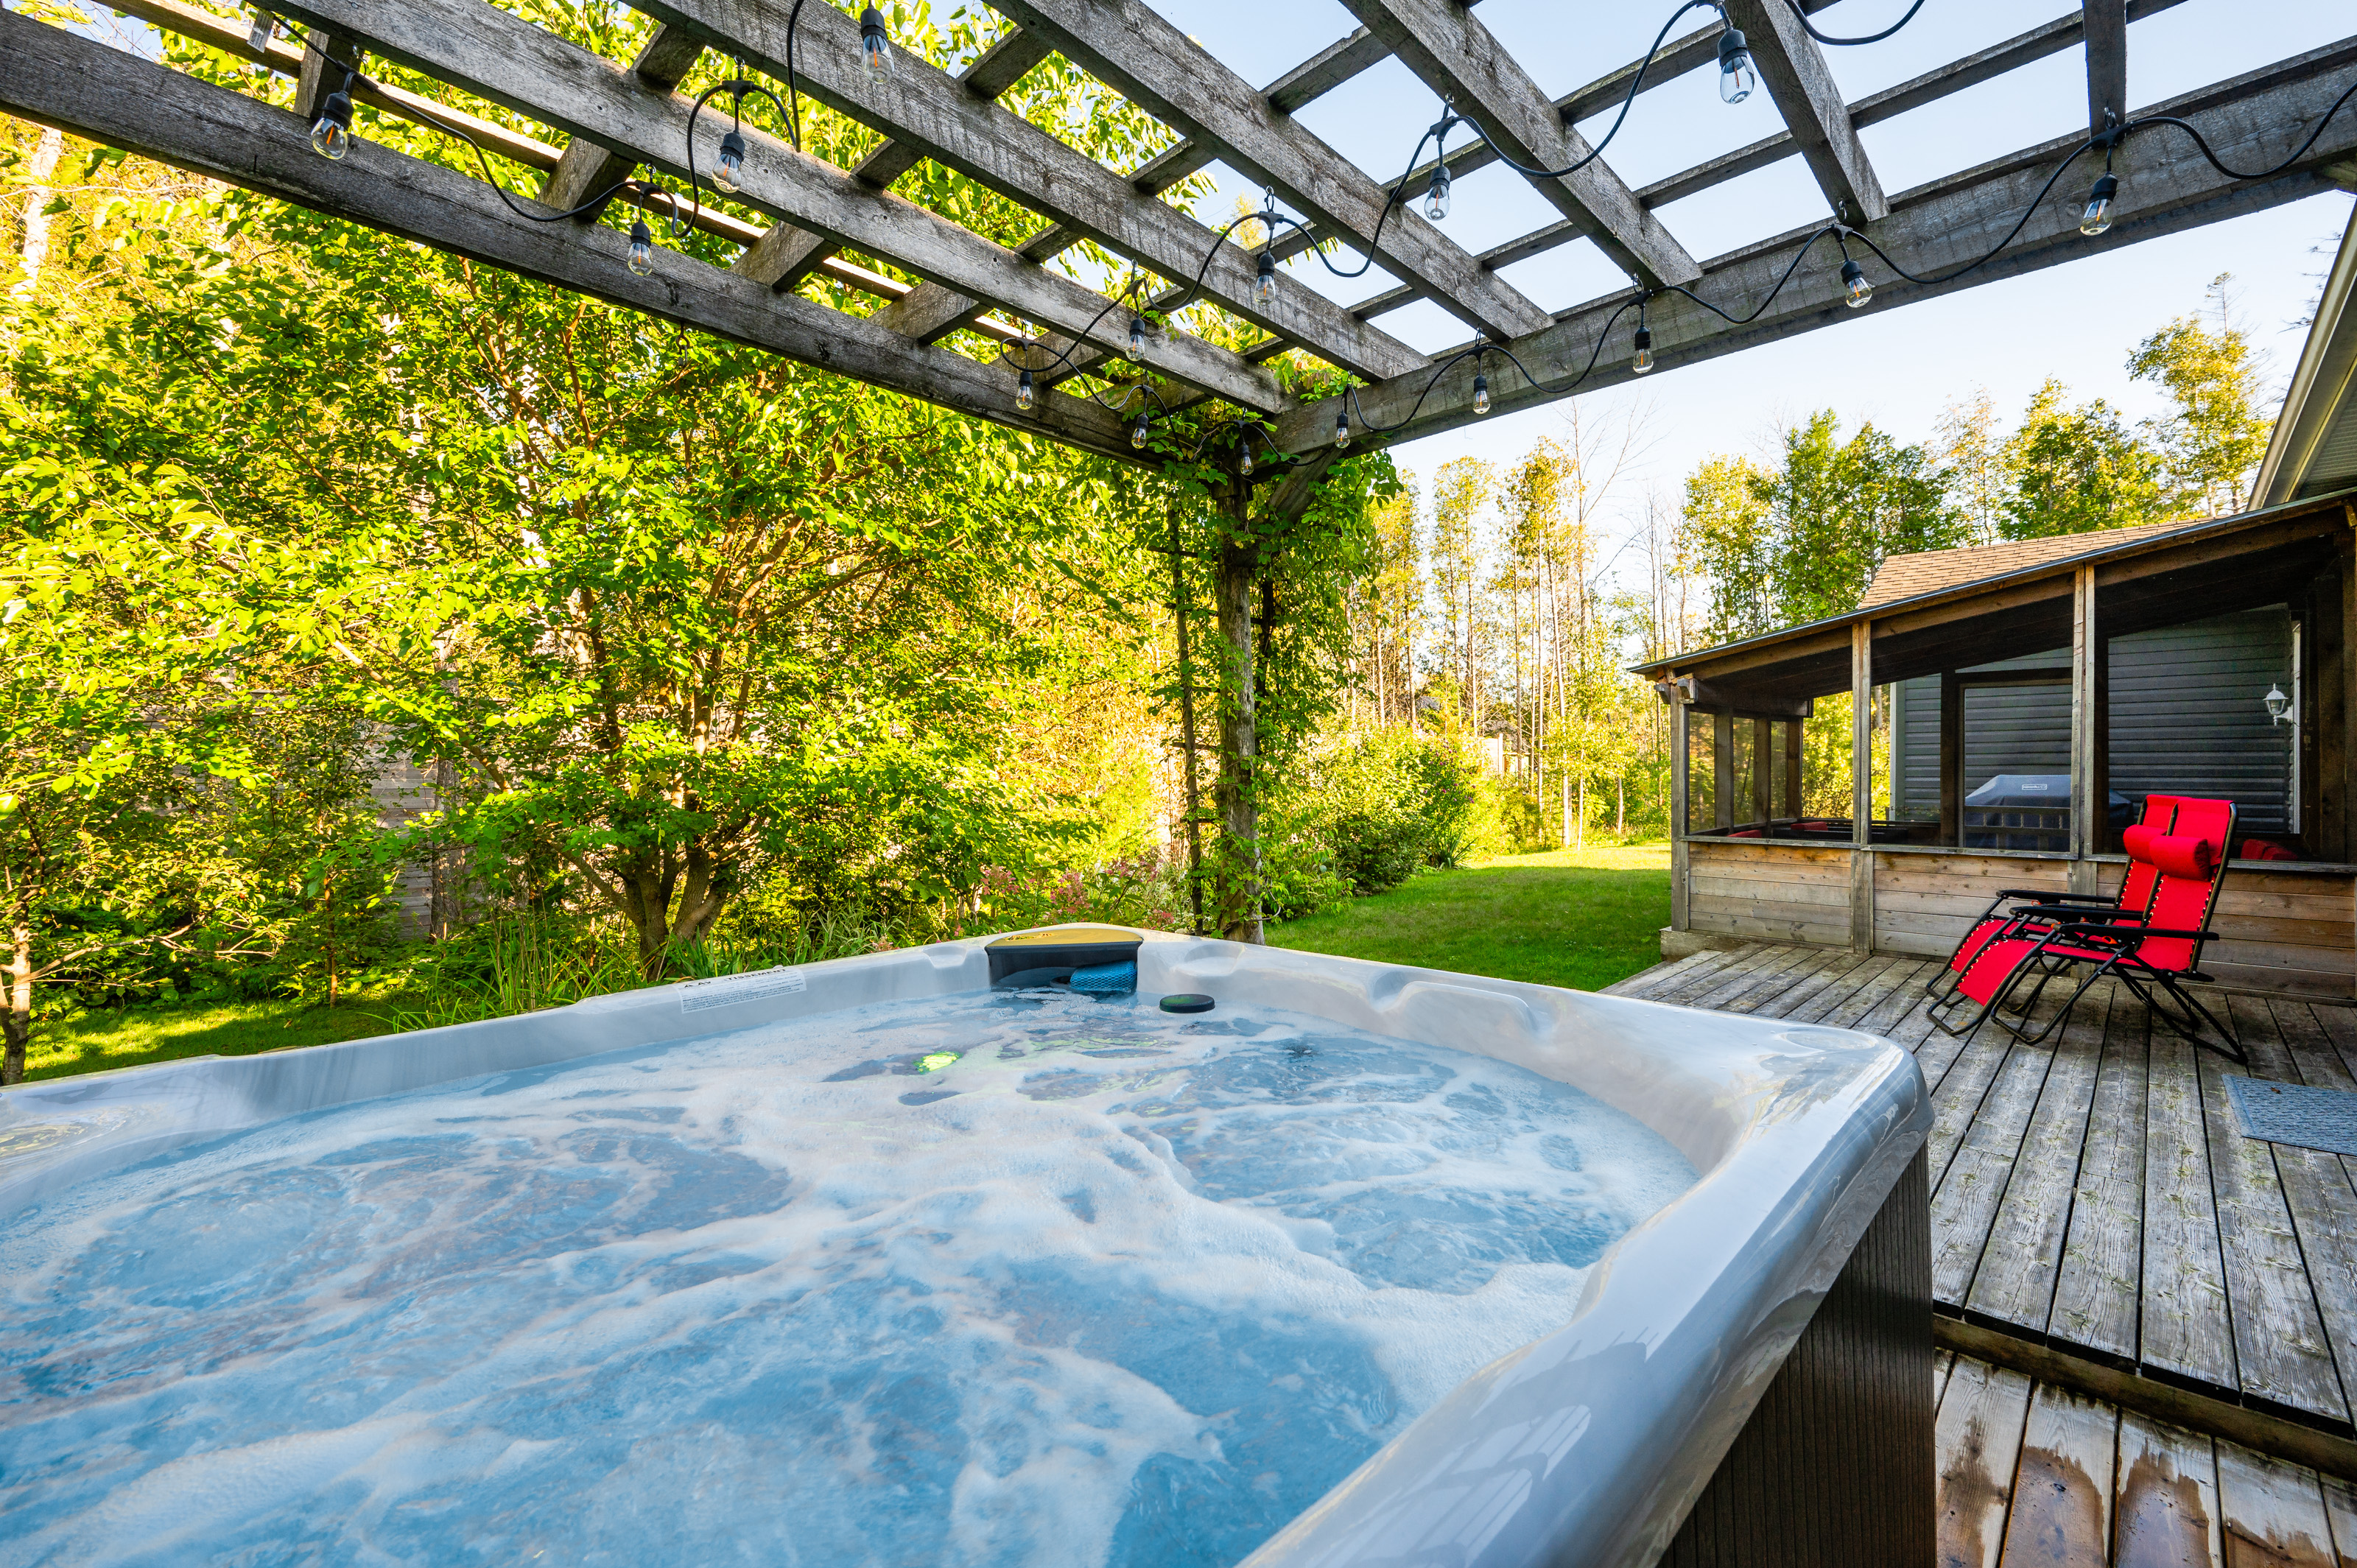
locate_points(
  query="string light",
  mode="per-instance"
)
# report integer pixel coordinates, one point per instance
(1138, 432)
(1481, 394)
(1265, 286)
(729, 172)
(1136, 338)
(1736, 76)
(1025, 393)
(1244, 457)
(875, 46)
(1436, 200)
(2097, 219)
(1857, 293)
(331, 136)
(1642, 361)
(1342, 427)
(643, 247)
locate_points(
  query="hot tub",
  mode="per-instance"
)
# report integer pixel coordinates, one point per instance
(1236, 1290)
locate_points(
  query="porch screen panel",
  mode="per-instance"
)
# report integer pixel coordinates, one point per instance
(2189, 717)
(1915, 749)
(2017, 783)
(1701, 796)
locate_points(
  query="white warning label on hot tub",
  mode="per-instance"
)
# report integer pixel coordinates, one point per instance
(698, 995)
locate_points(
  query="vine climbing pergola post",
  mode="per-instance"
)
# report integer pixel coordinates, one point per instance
(1235, 568)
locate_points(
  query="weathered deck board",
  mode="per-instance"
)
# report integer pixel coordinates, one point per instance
(2271, 1512)
(1978, 1442)
(2091, 1194)
(2102, 1277)
(1646, 982)
(2061, 1515)
(1965, 1202)
(2016, 1277)
(2279, 1347)
(2185, 1330)
(2165, 1513)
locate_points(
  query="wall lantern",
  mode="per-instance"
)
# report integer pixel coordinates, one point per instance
(2278, 705)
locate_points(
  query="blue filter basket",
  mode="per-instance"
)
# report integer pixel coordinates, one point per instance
(1107, 978)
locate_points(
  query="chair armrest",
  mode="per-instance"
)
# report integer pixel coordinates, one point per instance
(2052, 898)
(2132, 935)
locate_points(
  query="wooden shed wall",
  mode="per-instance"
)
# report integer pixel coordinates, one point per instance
(1925, 902)
(1769, 893)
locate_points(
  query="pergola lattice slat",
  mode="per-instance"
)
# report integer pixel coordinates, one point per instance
(2251, 122)
(1127, 45)
(89, 89)
(1452, 53)
(483, 49)
(1793, 70)
(929, 110)
(784, 260)
(585, 169)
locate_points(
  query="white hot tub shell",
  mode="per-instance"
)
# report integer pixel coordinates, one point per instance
(1745, 1378)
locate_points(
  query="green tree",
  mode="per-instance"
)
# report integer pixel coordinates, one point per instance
(2213, 440)
(2072, 470)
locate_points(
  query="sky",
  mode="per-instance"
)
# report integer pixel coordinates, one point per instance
(1897, 368)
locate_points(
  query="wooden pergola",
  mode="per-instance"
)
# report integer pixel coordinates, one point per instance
(604, 118)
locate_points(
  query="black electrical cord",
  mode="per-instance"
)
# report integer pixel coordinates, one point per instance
(1869, 38)
(736, 89)
(2203, 147)
(793, 115)
(1064, 355)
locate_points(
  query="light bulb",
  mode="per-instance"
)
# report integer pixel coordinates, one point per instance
(643, 247)
(729, 172)
(1736, 76)
(1136, 338)
(332, 136)
(1342, 427)
(1436, 200)
(1481, 395)
(1244, 458)
(1858, 292)
(1025, 395)
(1265, 290)
(1137, 431)
(2097, 219)
(875, 46)
(1644, 359)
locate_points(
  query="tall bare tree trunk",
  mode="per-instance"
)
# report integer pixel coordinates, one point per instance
(34, 249)
(17, 1016)
(1238, 892)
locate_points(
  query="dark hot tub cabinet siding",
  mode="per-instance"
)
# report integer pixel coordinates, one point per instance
(2187, 714)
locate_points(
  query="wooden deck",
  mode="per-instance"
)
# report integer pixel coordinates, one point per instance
(2033, 1476)
(2096, 1216)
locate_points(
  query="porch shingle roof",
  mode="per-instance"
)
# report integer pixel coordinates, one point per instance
(1931, 571)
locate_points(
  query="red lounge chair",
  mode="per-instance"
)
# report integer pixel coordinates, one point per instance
(2130, 903)
(2153, 956)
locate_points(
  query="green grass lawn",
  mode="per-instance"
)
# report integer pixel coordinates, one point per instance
(131, 1038)
(1581, 919)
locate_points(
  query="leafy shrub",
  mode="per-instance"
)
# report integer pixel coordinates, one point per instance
(1392, 801)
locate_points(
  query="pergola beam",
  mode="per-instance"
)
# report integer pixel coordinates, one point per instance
(929, 110)
(86, 89)
(1124, 44)
(1793, 69)
(1983, 65)
(2250, 121)
(1451, 52)
(475, 46)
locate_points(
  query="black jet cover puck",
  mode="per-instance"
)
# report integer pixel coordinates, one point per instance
(1188, 1001)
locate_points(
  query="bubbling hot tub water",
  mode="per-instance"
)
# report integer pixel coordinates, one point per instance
(995, 1279)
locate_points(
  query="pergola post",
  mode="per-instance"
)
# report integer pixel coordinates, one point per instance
(1793, 795)
(1763, 769)
(1238, 887)
(1861, 784)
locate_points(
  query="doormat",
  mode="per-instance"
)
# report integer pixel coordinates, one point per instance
(2293, 1113)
